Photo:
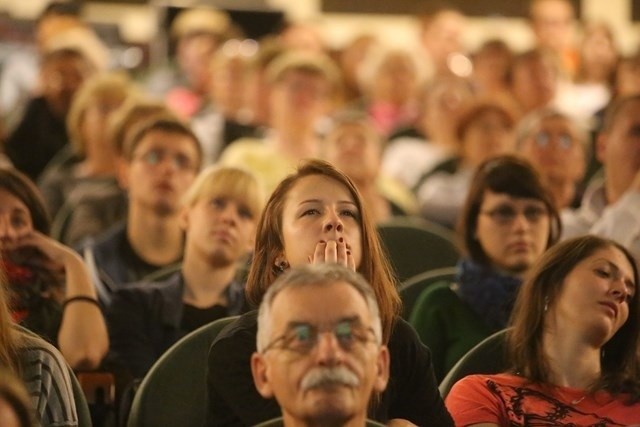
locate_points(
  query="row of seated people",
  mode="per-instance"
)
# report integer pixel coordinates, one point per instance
(319, 201)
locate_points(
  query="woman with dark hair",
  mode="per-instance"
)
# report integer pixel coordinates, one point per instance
(314, 216)
(49, 289)
(508, 221)
(42, 371)
(573, 346)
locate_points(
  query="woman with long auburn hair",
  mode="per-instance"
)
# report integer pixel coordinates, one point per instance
(573, 345)
(315, 216)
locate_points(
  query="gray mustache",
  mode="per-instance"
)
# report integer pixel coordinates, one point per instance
(319, 377)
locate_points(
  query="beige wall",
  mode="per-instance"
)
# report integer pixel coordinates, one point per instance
(138, 23)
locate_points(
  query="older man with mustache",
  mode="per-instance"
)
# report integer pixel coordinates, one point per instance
(319, 350)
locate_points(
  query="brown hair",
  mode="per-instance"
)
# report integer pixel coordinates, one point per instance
(509, 175)
(20, 186)
(374, 267)
(615, 110)
(168, 123)
(620, 360)
(130, 113)
(9, 338)
(476, 110)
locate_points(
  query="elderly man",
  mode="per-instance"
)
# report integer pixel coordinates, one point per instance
(611, 206)
(319, 347)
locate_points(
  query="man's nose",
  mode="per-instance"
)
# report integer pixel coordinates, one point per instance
(328, 349)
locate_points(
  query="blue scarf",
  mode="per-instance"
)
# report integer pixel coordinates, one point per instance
(489, 294)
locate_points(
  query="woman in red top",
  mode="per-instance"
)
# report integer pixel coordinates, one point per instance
(573, 346)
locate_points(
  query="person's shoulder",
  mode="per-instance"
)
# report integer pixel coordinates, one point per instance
(144, 291)
(439, 292)
(244, 326)
(110, 237)
(35, 351)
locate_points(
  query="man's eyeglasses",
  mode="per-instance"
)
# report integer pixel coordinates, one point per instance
(564, 141)
(304, 337)
(156, 156)
(505, 215)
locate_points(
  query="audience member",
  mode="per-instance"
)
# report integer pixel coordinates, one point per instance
(160, 159)
(415, 151)
(491, 68)
(220, 121)
(93, 213)
(484, 130)
(19, 74)
(556, 146)
(41, 368)
(610, 204)
(441, 33)
(353, 146)
(184, 84)
(50, 290)
(90, 163)
(573, 347)
(316, 216)
(390, 80)
(509, 219)
(219, 217)
(303, 86)
(533, 80)
(315, 380)
(554, 23)
(42, 132)
(349, 59)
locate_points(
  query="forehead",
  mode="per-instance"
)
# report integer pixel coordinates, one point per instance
(318, 304)
(612, 255)
(318, 187)
(9, 202)
(491, 198)
(158, 138)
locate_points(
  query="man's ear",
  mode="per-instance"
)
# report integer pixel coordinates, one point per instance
(382, 370)
(260, 373)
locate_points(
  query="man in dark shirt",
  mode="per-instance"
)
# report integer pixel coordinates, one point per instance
(160, 160)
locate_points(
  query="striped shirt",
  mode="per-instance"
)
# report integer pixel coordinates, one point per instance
(46, 377)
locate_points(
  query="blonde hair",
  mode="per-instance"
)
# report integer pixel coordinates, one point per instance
(9, 341)
(227, 182)
(307, 62)
(114, 85)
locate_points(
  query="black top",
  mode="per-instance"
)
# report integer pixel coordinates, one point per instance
(411, 394)
(37, 138)
(145, 319)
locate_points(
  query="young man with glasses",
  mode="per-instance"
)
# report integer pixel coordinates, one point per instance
(319, 350)
(160, 160)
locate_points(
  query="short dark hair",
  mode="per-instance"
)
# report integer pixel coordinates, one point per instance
(162, 123)
(509, 175)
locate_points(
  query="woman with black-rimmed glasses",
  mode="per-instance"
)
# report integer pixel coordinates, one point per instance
(508, 221)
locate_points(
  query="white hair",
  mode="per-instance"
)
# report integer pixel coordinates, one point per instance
(314, 275)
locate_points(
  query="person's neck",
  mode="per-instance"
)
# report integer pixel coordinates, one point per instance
(573, 362)
(204, 283)
(157, 239)
(614, 187)
(98, 162)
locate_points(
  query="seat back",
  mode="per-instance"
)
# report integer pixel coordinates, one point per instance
(173, 393)
(487, 357)
(411, 289)
(415, 245)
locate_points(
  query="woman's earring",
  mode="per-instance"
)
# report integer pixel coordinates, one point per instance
(546, 304)
(282, 266)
